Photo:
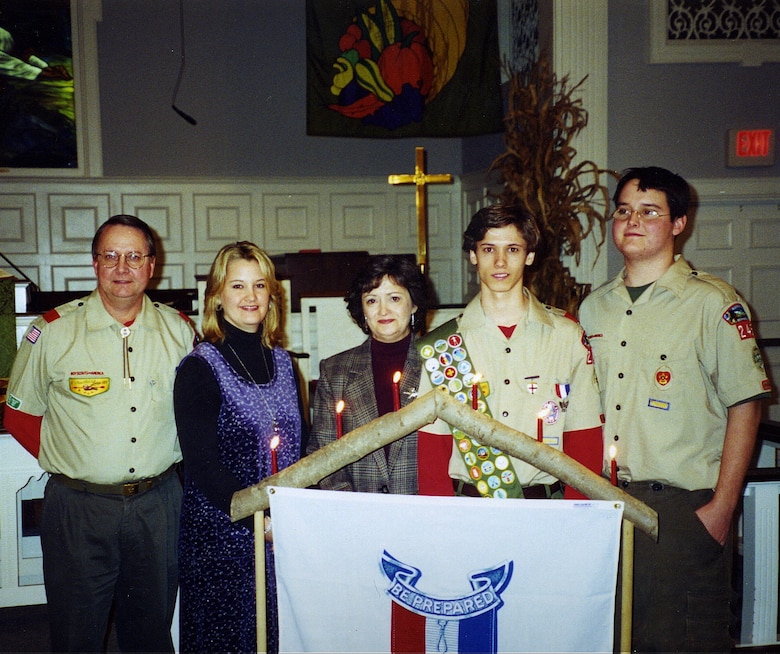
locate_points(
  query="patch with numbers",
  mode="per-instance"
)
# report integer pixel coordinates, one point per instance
(737, 316)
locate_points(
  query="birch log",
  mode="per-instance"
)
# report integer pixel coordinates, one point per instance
(438, 404)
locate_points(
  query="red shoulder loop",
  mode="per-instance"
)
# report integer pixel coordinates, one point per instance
(51, 316)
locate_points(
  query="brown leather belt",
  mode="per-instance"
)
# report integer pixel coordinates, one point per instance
(537, 492)
(126, 489)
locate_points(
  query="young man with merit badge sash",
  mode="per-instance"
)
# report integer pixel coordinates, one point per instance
(526, 364)
(682, 381)
(91, 396)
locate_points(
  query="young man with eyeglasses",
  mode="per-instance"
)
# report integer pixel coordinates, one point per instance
(90, 395)
(681, 381)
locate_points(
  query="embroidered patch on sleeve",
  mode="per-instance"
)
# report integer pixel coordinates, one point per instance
(736, 316)
(33, 335)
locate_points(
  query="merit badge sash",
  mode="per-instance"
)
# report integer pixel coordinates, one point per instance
(447, 364)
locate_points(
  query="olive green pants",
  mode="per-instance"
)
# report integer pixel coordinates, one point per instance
(682, 585)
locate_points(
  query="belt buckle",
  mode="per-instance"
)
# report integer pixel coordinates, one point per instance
(131, 488)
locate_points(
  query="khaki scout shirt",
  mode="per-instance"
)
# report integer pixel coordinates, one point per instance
(669, 366)
(544, 368)
(70, 371)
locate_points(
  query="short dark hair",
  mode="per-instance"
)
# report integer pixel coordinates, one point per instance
(676, 189)
(501, 215)
(127, 221)
(403, 271)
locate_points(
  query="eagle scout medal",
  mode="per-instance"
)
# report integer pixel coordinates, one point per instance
(447, 363)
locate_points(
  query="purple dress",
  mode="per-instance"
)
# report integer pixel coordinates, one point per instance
(216, 556)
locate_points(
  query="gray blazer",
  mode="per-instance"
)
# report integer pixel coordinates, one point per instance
(347, 376)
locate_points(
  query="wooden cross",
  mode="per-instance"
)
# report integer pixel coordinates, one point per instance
(421, 179)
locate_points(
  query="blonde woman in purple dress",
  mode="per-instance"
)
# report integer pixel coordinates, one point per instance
(233, 395)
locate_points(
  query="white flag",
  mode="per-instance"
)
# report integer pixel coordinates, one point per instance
(360, 572)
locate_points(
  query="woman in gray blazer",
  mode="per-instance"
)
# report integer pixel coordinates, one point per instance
(388, 300)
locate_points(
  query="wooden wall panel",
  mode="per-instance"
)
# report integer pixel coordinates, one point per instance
(48, 225)
(162, 212)
(73, 219)
(289, 222)
(18, 223)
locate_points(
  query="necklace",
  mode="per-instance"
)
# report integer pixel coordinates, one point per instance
(276, 432)
(246, 370)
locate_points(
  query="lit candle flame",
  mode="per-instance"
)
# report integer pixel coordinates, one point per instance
(396, 376)
(612, 451)
(275, 442)
(339, 406)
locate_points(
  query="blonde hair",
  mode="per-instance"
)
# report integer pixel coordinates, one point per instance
(273, 324)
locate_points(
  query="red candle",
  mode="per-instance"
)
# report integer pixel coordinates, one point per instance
(612, 465)
(540, 430)
(274, 462)
(397, 390)
(475, 393)
(339, 423)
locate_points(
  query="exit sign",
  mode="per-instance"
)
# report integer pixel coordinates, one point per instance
(751, 147)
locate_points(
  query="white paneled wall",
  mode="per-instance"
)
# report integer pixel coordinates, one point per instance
(734, 233)
(46, 226)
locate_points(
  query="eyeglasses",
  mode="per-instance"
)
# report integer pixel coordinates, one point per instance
(132, 259)
(624, 213)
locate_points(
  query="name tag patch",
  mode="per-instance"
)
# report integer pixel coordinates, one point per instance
(658, 404)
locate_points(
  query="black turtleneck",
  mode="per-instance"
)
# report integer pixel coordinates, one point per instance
(242, 349)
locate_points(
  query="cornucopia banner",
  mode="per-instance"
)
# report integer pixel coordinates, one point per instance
(402, 68)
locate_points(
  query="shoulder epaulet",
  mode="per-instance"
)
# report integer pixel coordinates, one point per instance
(51, 315)
(558, 312)
(191, 324)
(728, 292)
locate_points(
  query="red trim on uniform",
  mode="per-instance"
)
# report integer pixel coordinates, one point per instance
(585, 446)
(25, 428)
(51, 315)
(433, 462)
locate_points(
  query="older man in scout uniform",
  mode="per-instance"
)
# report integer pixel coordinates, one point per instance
(90, 395)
